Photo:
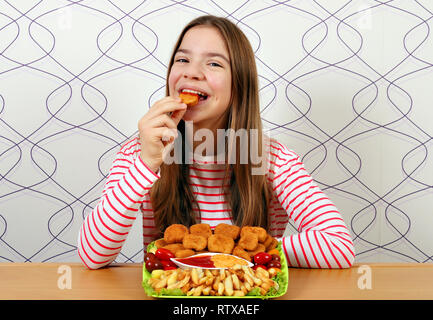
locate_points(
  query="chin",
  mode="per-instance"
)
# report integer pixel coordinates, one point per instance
(191, 115)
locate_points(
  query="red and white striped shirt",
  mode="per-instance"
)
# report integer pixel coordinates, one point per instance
(322, 241)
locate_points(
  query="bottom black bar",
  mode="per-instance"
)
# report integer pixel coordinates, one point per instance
(213, 308)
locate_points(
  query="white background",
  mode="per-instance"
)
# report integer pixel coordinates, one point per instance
(345, 84)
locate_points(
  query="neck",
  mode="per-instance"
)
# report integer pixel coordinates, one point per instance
(208, 139)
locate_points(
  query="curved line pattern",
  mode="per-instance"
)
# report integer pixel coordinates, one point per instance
(379, 224)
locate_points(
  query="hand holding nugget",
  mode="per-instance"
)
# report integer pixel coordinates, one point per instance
(157, 128)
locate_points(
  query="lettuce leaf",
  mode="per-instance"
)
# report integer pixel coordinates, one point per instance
(171, 292)
(254, 292)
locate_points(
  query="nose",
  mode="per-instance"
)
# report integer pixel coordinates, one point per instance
(193, 71)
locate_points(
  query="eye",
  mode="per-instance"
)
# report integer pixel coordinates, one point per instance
(215, 64)
(181, 60)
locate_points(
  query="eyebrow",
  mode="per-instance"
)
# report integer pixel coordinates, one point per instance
(207, 54)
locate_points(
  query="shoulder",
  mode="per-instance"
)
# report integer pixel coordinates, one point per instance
(284, 163)
(279, 154)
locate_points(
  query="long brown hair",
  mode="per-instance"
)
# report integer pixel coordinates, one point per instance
(248, 194)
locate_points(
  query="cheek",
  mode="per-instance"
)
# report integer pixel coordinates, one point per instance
(173, 77)
(223, 87)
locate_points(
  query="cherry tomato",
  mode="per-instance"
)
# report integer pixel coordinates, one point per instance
(276, 257)
(153, 264)
(168, 263)
(149, 256)
(164, 254)
(259, 266)
(262, 258)
(274, 264)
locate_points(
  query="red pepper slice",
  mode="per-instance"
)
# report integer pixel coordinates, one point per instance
(164, 254)
(168, 263)
(169, 268)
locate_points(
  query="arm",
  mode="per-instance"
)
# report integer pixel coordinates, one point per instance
(323, 240)
(131, 176)
(105, 229)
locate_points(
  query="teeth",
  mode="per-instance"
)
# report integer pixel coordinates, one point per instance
(195, 92)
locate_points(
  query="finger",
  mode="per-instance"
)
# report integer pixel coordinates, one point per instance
(166, 105)
(168, 147)
(178, 115)
(164, 100)
(165, 135)
(164, 120)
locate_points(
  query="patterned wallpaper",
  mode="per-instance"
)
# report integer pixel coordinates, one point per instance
(345, 84)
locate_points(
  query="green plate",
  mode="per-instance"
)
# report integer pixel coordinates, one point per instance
(281, 278)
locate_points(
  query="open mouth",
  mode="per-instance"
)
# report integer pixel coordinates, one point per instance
(201, 95)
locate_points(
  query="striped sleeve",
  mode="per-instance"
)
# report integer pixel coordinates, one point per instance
(105, 228)
(323, 240)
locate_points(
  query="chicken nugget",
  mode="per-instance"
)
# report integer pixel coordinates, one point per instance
(260, 248)
(175, 233)
(160, 243)
(249, 241)
(220, 243)
(261, 232)
(174, 247)
(268, 240)
(273, 244)
(184, 253)
(228, 230)
(241, 253)
(189, 98)
(201, 228)
(194, 241)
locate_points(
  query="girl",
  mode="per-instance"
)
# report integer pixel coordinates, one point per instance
(214, 59)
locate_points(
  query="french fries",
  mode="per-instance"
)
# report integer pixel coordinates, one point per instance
(237, 281)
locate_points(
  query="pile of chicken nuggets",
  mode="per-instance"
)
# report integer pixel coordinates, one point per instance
(243, 242)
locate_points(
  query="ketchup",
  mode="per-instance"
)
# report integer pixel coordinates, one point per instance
(200, 261)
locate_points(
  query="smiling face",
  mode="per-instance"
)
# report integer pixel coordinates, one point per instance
(202, 65)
